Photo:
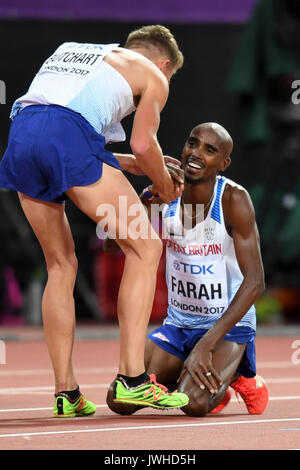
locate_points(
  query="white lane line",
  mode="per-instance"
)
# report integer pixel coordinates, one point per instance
(48, 388)
(291, 397)
(233, 400)
(90, 370)
(282, 380)
(161, 426)
(289, 429)
(45, 408)
(102, 370)
(275, 364)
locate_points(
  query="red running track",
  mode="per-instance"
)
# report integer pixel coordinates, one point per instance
(26, 388)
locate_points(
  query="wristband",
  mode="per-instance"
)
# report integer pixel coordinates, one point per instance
(148, 195)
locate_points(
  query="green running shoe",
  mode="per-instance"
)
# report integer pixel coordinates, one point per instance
(64, 408)
(149, 393)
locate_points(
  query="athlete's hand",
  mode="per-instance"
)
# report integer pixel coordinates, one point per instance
(168, 189)
(171, 160)
(176, 174)
(200, 367)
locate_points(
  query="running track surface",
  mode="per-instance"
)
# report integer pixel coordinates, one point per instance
(26, 389)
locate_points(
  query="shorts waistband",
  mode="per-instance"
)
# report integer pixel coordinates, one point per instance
(49, 108)
(55, 108)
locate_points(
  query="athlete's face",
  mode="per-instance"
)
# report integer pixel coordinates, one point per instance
(204, 154)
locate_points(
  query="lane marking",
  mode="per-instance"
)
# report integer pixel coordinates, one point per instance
(289, 429)
(160, 426)
(282, 380)
(275, 364)
(47, 388)
(289, 397)
(50, 388)
(100, 370)
(46, 408)
(233, 400)
(90, 370)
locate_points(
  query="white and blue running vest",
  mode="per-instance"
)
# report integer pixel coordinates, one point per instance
(76, 77)
(202, 272)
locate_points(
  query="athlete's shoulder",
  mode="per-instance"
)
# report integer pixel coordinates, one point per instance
(235, 192)
(140, 63)
(237, 202)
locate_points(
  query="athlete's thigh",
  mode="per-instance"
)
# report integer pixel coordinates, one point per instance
(50, 225)
(164, 365)
(226, 358)
(112, 199)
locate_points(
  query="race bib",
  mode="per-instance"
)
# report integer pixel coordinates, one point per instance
(197, 288)
(76, 59)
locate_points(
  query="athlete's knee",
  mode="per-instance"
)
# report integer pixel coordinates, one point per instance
(63, 265)
(154, 250)
(199, 400)
(198, 404)
(147, 251)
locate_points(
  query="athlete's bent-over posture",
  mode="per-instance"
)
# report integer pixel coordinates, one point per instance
(56, 149)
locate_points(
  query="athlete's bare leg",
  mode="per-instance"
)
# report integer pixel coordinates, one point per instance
(167, 367)
(164, 365)
(51, 227)
(136, 293)
(227, 356)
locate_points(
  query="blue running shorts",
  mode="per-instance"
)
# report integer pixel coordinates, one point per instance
(181, 341)
(50, 149)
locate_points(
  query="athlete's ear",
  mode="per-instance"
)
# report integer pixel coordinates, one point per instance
(225, 164)
(162, 64)
(166, 63)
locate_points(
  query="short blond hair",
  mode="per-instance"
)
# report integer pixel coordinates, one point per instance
(159, 37)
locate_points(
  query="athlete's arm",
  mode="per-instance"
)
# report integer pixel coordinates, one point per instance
(177, 175)
(129, 163)
(240, 218)
(173, 166)
(144, 141)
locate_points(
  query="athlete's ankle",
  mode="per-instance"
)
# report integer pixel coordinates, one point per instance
(72, 395)
(65, 387)
(134, 381)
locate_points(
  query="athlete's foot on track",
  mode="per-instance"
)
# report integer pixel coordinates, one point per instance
(125, 400)
(254, 392)
(118, 407)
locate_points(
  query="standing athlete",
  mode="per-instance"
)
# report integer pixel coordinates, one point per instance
(214, 275)
(56, 150)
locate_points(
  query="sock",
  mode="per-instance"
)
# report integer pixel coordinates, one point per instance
(135, 381)
(72, 395)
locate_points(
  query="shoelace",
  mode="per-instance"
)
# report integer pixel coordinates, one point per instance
(154, 382)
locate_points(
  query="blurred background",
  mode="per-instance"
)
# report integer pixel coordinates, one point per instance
(241, 60)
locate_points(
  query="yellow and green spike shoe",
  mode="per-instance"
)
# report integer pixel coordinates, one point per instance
(149, 393)
(64, 408)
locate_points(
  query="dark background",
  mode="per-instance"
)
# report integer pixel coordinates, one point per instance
(198, 93)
